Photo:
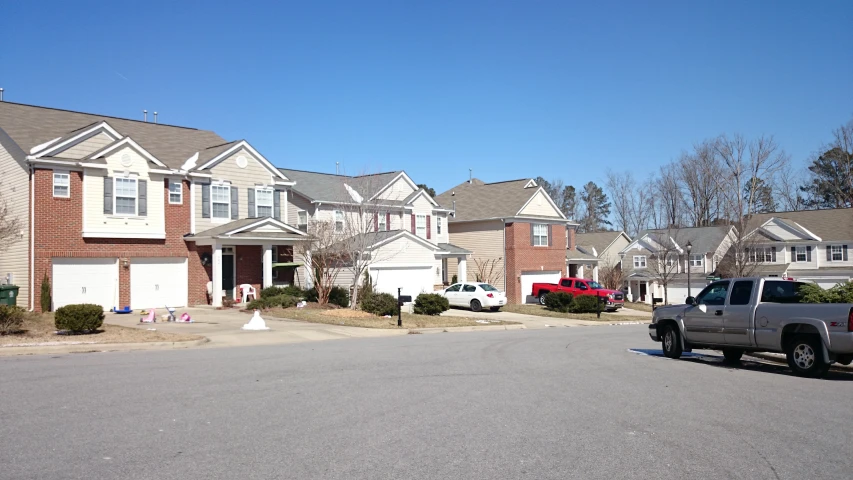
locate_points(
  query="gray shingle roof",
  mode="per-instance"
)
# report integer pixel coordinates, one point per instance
(830, 225)
(480, 201)
(330, 187)
(449, 247)
(237, 224)
(597, 240)
(575, 254)
(703, 239)
(30, 125)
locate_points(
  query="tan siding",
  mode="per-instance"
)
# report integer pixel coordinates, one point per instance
(86, 147)
(539, 206)
(611, 255)
(254, 175)
(95, 221)
(295, 204)
(14, 190)
(398, 190)
(485, 239)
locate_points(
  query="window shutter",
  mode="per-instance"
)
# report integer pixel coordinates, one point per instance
(205, 200)
(276, 204)
(532, 226)
(252, 212)
(375, 222)
(142, 201)
(793, 254)
(808, 254)
(108, 195)
(844, 250)
(828, 253)
(429, 233)
(550, 235)
(235, 204)
(414, 232)
(387, 220)
(773, 254)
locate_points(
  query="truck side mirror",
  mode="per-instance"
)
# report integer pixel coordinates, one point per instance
(690, 301)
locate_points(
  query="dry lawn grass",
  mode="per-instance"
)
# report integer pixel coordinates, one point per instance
(357, 318)
(39, 329)
(605, 317)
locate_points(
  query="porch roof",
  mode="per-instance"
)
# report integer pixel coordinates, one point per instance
(453, 249)
(249, 229)
(577, 255)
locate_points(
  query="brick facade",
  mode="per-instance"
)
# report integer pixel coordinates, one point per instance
(521, 256)
(249, 266)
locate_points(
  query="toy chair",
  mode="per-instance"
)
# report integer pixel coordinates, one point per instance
(246, 290)
(171, 317)
(151, 318)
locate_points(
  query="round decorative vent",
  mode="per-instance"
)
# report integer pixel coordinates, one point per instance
(126, 160)
(242, 162)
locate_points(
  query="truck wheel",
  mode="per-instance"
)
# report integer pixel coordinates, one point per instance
(805, 356)
(542, 298)
(476, 306)
(732, 355)
(671, 342)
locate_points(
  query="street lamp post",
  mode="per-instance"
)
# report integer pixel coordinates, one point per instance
(689, 247)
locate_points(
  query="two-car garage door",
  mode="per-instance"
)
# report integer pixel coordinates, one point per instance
(158, 282)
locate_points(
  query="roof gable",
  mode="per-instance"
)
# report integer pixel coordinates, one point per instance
(540, 204)
(476, 200)
(233, 147)
(828, 225)
(401, 177)
(126, 142)
(56, 147)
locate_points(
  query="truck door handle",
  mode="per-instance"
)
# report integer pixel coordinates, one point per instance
(718, 312)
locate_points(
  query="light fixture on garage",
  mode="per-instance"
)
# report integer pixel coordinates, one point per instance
(125, 263)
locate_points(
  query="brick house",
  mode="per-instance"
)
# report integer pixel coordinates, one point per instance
(515, 231)
(124, 212)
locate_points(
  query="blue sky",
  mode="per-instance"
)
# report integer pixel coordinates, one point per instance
(510, 89)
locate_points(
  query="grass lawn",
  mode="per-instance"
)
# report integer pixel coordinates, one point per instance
(643, 307)
(605, 317)
(357, 318)
(39, 329)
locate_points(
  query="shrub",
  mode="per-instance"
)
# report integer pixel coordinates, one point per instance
(431, 304)
(45, 294)
(584, 304)
(379, 304)
(264, 303)
(292, 290)
(339, 296)
(11, 318)
(558, 301)
(311, 295)
(83, 317)
(453, 280)
(840, 293)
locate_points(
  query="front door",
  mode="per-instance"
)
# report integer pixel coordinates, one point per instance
(228, 272)
(703, 322)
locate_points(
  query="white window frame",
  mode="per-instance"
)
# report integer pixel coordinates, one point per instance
(765, 257)
(339, 221)
(179, 193)
(696, 260)
(213, 187)
(671, 261)
(420, 226)
(258, 204)
(299, 214)
(382, 222)
(438, 225)
(539, 236)
(67, 185)
(116, 181)
(833, 252)
(639, 261)
(800, 251)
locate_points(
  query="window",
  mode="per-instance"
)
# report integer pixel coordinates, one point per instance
(741, 292)
(639, 261)
(420, 226)
(566, 283)
(125, 197)
(263, 202)
(540, 235)
(61, 185)
(671, 261)
(488, 288)
(469, 288)
(274, 260)
(454, 288)
(713, 294)
(800, 255)
(580, 285)
(220, 201)
(438, 225)
(836, 253)
(339, 221)
(696, 260)
(383, 222)
(302, 220)
(176, 192)
(781, 291)
(762, 255)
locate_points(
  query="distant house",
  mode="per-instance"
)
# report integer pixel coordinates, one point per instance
(594, 251)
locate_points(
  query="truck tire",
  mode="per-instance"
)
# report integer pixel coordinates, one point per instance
(542, 298)
(476, 306)
(732, 355)
(805, 356)
(671, 341)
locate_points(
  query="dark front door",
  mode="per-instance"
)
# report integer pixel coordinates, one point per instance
(228, 275)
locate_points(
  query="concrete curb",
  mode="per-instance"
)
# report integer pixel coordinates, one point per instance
(99, 347)
(780, 358)
(484, 328)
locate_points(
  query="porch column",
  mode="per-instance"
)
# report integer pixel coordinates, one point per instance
(267, 282)
(216, 280)
(630, 291)
(462, 270)
(580, 271)
(595, 272)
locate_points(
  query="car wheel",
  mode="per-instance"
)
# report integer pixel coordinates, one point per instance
(732, 355)
(805, 356)
(495, 309)
(671, 342)
(476, 306)
(542, 299)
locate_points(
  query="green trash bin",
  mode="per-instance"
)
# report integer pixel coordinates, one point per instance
(9, 295)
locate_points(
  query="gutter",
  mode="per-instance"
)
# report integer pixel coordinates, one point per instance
(32, 238)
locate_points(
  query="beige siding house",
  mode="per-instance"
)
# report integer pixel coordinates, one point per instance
(15, 194)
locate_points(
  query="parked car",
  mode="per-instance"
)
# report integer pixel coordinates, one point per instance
(758, 315)
(475, 296)
(613, 299)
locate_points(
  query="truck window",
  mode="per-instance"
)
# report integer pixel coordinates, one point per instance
(781, 291)
(741, 292)
(581, 285)
(566, 283)
(713, 294)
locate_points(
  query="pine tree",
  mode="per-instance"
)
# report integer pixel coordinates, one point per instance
(596, 209)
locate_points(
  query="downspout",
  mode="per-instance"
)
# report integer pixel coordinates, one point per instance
(32, 238)
(504, 250)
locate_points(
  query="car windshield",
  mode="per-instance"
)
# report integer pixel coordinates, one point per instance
(488, 288)
(595, 285)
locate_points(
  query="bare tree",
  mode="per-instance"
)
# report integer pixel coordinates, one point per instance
(665, 259)
(789, 188)
(622, 192)
(611, 275)
(487, 269)
(9, 226)
(671, 201)
(698, 172)
(323, 255)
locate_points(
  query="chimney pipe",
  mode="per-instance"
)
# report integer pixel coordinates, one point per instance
(155, 117)
(337, 168)
(454, 208)
(470, 175)
(1, 94)
(145, 115)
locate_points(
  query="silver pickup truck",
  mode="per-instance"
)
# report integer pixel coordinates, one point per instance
(740, 315)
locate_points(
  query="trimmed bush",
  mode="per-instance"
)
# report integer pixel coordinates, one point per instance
(45, 299)
(813, 293)
(584, 304)
(11, 318)
(265, 303)
(292, 290)
(379, 304)
(339, 296)
(83, 317)
(431, 304)
(558, 301)
(311, 295)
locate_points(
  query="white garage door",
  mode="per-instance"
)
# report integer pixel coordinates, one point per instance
(413, 280)
(528, 279)
(158, 282)
(85, 280)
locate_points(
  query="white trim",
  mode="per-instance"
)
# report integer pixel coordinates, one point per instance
(136, 198)
(265, 221)
(547, 197)
(199, 174)
(284, 203)
(408, 234)
(284, 184)
(814, 237)
(93, 165)
(645, 261)
(44, 145)
(129, 141)
(81, 136)
(528, 184)
(192, 206)
(271, 205)
(226, 218)
(190, 163)
(64, 163)
(32, 237)
(832, 252)
(423, 193)
(400, 175)
(418, 216)
(381, 266)
(181, 192)
(157, 236)
(68, 185)
(237, 146)
(547, 234)
(163, 172)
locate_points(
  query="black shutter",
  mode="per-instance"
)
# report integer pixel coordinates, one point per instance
(235, 204)
(773, 252)
(828, 253)
(809, 254)
(252, 212)
(532, 242)
(844, 250)
(108, 195)
(793, 254)
(550, 235)
(276, 204)
(205, 200)
(142, 201)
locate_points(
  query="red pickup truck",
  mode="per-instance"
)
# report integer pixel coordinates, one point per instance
(580, 286)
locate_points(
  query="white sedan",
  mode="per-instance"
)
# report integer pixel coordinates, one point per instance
(475, 296)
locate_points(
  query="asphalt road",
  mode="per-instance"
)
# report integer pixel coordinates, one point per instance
(557, 403)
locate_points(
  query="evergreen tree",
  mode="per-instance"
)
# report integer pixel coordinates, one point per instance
(596, 209)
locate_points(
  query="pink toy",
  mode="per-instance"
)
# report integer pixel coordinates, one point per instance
(186, 317)
(151, 318)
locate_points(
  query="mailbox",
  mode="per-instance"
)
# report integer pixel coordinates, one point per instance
(404, 299)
